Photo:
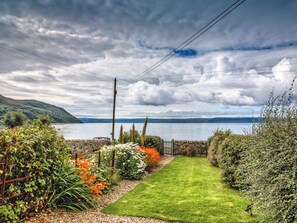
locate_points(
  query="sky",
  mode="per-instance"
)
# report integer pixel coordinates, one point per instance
(68, 52)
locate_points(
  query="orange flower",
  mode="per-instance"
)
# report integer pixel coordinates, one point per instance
(153, 156)
(84, 167)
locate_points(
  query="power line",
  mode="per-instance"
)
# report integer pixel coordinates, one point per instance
(221, 72)
(199, 33)
(42, 59)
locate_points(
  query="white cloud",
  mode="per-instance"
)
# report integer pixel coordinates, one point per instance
(144, 93)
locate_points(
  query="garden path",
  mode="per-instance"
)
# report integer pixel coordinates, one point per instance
(94, 215)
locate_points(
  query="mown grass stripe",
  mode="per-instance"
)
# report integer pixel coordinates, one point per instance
(189, 189)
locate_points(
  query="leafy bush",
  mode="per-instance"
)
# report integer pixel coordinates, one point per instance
(232, 149)
(30, 150)
(129, 160)
(271, 161)
(152, 159)
(69, 191)
(154, 142)
(14, 118)
(187, 150)
(213, 145)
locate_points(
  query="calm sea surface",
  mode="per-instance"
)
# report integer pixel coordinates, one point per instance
(167, 131)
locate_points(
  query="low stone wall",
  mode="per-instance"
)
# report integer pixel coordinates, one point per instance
(190, 148)
(79, 146)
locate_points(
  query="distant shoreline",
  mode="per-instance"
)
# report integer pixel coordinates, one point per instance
(176, 120)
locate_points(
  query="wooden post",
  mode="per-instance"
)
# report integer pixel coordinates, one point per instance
(113, 111)
(76, 157)
(172, 147)
(99, 158)
(4, 165)
(113, 120)
(162, 148)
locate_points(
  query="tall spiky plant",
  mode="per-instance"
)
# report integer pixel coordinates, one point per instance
(132, 134)
(121, 137)
(144, 131)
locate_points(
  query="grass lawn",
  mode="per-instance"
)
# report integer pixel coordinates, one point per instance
(187, 190)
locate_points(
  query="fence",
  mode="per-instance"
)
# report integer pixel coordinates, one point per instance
(7, 179)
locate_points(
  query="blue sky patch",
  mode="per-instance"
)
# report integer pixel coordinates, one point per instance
(186, 53)
(179, 53)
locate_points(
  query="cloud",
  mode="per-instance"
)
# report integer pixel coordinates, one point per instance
(150, 94)
(225, 87)
(76, 48)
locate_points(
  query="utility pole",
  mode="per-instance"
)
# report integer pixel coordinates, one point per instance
(113, 122)
(113, 111)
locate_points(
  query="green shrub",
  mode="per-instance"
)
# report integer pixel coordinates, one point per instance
(154, 142)
(187, 150)
(271, 161)
(231, 150)
(213, 145)
(38, 151)
(14, 118)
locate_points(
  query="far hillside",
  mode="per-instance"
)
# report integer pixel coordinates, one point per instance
(33, 108)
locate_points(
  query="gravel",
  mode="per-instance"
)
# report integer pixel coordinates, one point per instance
(94, 215)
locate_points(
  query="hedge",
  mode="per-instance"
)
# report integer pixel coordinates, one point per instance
(213, 145)
(231, 151)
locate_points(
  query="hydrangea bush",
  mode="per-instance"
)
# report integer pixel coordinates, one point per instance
(129, 160)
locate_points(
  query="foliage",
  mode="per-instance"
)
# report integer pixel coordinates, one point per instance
(129, 160)
(14, 118)
(232, 149)
(154, 142)
(143, 133)
(69, 191)
(128, 136)
(97, 186)
(187, 150)
(153, 157)
(213, 145)
(43, 120)
(186, 190)
(271, 161)
(30, 150)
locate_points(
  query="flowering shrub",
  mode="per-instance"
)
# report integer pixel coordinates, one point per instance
(129, 160)
(97, 186)
(153, 157)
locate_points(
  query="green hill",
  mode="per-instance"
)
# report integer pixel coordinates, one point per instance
(33, 108)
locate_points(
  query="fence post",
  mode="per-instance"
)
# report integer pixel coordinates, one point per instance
(112, 158)
(162, 152)
(76, 157)
(99, 158)
(4, 176)
(172, 147)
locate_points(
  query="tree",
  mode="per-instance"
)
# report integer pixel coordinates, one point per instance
(12, 119)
